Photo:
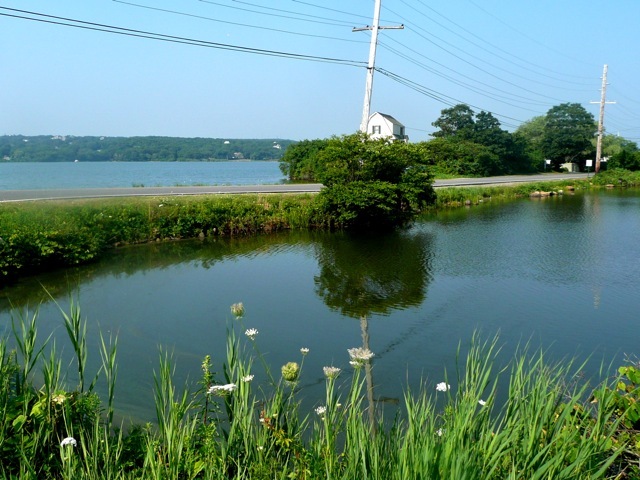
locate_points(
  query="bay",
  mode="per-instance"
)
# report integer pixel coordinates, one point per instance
(61, 175)
(559, 273)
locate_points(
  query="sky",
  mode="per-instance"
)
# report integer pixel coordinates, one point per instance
(295, 69)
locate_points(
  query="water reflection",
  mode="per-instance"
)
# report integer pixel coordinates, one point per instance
(362, 275)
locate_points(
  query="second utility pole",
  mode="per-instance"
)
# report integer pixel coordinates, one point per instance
(372, 62)
(603, 102)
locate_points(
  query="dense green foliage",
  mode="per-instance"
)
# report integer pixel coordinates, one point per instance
(527, 419)
(568, 135)
(18, 148)
(300, 160)
(372, 183)
(45, 235)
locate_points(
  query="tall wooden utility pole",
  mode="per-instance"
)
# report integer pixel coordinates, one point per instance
(372, 62)
(603, 102)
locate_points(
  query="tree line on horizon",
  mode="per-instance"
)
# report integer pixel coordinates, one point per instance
(467, 143)
(58, 148)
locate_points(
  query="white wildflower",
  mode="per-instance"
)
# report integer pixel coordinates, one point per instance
(222, 389)
(442, 387)
(440, 432)
(304, 350)
(251, 333)
(482, 402)
(68, 441)
(247, 378)
(359, 356)
(331, 372)
(321, 410)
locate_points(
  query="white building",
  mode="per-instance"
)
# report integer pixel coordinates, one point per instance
(381, 125)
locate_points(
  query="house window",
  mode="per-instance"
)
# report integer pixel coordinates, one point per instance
(375, 129)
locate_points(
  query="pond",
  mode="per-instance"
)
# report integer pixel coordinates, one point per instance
(561, 273)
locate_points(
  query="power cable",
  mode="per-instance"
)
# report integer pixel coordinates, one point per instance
(440, 96)
(324, 22)
(201, 17)
(586, 81)
(63, 21)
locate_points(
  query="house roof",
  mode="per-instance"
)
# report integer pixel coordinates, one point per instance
(388, 118)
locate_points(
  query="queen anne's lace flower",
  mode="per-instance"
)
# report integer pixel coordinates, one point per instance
(222, 389)
(247, 378)
(304, 350)
(68, 441)
(251, 333)
(359, 356)
(321, 410)
(331, 372)
(443, 387)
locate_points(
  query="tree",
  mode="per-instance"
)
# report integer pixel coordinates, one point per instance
(568, 132)
(530, 134)
(372, 183)
(299, 161)
(456, 121)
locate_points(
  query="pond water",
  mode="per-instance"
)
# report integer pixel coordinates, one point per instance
(560, 272)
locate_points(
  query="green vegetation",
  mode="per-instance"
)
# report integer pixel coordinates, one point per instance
(371, 183)
(529, 419)
(44, 148)
(53, 234)
(469, 144)
(38, 236)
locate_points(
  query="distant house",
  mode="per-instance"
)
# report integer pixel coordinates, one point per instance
(382, 125)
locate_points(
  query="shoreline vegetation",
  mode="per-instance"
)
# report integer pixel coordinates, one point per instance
(528, 419)
(50, 234)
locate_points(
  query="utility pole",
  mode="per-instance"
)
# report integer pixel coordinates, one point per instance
(602, 102)
(372, 61)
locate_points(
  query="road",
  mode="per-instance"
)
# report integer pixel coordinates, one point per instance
(76, 193)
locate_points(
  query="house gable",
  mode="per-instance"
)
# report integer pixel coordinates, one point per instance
(381, 125)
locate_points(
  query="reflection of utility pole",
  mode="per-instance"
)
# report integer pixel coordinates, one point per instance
(372, 62)
(602, 102)
(364, 327)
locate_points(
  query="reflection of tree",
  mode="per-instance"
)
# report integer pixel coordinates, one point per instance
(362, 275)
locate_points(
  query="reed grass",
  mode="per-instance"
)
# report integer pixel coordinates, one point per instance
(528, 419)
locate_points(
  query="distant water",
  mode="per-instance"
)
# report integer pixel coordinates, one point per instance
(30, 176)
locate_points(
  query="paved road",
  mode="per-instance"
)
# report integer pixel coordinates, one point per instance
(28, 195)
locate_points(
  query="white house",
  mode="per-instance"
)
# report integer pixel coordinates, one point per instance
(382, 125)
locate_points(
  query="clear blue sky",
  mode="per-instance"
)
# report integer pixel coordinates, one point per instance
(516, 59)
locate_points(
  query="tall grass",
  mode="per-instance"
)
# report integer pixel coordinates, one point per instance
(527, 419)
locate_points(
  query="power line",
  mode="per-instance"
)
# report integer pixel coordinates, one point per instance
(493, 95)
(483, 41)
(63, 21)
(341, 24)
(441, 97)
(201, 17)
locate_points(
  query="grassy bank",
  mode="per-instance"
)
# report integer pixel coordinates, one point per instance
(242, 420)
(36, 236)
(39, 236)
(459, 196)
